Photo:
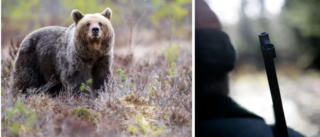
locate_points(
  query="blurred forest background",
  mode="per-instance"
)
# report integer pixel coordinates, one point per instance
(151, 92)
(294, 29)
(166, 20)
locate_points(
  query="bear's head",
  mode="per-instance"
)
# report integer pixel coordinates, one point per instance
(93, 32)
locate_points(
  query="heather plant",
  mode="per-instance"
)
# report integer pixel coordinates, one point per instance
(86, 114)
(20, 118)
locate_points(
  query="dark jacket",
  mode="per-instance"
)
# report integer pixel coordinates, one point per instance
(219, 116)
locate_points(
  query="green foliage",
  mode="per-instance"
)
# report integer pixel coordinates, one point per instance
(35, 12)
(304, 15)
(158, 131)
(7, 69)
(166, 82)
(92, 6)
(82, 113)
(173, 11)
(303, 18)
(171, 70)
(121, 73)
(14, 128)
(85, 6)
(171, 55)
(85, 86)
(151, 91)
(19, 9)
(86, 114)
(20, 110)
(89, 81)
(145, 127)
(133, 129)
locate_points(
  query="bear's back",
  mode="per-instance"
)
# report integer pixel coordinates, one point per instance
(43, 45)
(47, 37)
(48, 32)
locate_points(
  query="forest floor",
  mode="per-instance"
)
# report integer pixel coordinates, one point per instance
(150, 95)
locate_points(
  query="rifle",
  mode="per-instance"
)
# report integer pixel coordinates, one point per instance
(269, 53)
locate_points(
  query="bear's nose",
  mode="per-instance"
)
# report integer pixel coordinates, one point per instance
(95, 31)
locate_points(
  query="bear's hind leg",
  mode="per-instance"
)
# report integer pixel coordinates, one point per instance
(26, 73)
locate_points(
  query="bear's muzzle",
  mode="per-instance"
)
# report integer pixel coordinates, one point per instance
(95, 31)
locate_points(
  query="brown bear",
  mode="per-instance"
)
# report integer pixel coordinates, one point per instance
(68, 56)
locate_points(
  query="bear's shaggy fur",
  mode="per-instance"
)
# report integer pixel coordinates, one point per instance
(68, 56)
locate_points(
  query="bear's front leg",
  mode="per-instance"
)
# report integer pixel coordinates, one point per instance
(75, 79)
(101, 72)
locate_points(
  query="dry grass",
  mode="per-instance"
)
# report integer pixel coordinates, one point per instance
(148, 102)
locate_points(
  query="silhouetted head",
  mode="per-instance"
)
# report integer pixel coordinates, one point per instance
(214, 53)
(204, 17)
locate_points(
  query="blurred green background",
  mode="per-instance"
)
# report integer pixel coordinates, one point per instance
(293, 25)
(294, 29)
(153, 20)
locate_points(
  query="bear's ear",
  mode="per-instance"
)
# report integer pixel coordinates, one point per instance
(76, 15)
(107, 13)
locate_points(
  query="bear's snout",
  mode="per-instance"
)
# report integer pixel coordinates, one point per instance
(95, 31)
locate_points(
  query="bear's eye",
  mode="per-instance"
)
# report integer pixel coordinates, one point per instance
(100, 24)
(88, 24)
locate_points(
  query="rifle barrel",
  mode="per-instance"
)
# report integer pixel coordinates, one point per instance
(268, 51)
